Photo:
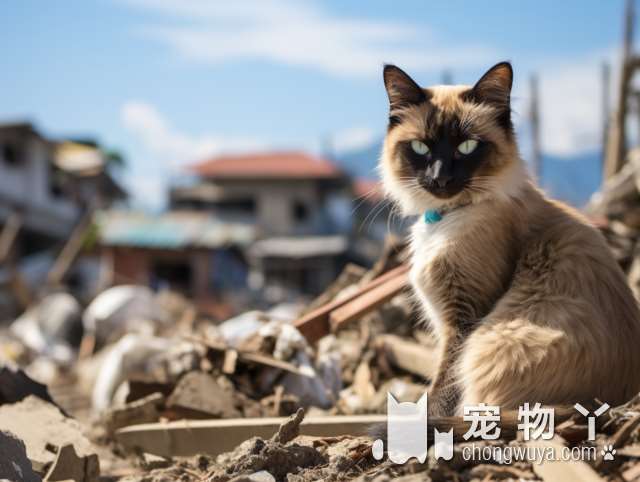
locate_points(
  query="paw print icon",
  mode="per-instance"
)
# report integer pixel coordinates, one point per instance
(608, 452)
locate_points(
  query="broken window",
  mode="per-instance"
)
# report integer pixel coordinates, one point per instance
(10, 154)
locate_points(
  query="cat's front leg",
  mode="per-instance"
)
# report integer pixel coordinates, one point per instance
(444, 392)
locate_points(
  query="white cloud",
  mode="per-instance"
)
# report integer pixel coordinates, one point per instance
(301, 33)
(570, 93)
(171, 146)
(149, 190)
(353, 138)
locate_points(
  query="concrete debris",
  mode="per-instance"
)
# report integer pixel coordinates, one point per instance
(123, 309)
(51, 328)
(144, 410)
(159, 383)
(289, 429)
(68, 466)
(16, 385)
(200, 395)
(157, 359)
(14, 464)
(39, 424)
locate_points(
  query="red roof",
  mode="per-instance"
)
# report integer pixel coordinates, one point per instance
(368, 190)
(275, 165)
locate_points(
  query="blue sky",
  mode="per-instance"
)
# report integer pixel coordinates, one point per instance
(170, 82)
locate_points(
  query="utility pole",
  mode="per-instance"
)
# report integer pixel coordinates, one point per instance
(534, 120)
(606, 108)
(616, 140)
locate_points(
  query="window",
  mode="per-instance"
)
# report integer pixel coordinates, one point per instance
(300, 212)
(10, 154)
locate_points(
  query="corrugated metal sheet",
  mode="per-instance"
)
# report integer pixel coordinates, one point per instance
(170, 230)
(300, 247)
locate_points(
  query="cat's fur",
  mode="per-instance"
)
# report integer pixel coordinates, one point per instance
(522, 292)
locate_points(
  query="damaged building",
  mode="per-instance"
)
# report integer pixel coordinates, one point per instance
(46, 187)
(277, 224)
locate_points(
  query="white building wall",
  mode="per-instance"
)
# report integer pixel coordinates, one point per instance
(26, 184)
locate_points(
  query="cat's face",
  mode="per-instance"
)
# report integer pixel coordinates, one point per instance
(448, 144)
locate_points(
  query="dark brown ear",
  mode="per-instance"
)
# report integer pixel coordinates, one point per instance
(401, 89)
(494, 87)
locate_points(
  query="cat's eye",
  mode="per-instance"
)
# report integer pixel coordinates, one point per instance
(419, 147)
(468, 146)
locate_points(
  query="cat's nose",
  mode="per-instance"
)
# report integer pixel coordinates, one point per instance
(443, 180)
(440, 173)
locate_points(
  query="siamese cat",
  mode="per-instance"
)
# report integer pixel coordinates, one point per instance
(521, 291)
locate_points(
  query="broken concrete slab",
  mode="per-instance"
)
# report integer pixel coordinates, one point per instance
(198, 394)
(144, 410)
(185, 438)
(69, 466)
(14, 464)
(40, 424)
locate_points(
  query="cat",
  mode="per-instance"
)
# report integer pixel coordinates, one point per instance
(522, 293)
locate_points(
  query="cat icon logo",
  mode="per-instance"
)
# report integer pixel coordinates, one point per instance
(443, 444)
(406, 431)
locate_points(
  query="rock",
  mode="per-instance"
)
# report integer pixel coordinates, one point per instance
(123, 309)
(14, 464)
(261, 476)
(40, 424)
(142, 357)
(16, 385)
(51, 328)
(144, 410)
(199, 394)
(289, 429)
(68, 466)
(257, 455)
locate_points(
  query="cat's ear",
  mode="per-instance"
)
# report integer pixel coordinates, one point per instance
(401, 89)
(494, 87)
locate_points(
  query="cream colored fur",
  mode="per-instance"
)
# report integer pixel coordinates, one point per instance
(557, 322)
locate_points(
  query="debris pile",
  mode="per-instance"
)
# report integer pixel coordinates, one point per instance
(616, 211)
(151, 390)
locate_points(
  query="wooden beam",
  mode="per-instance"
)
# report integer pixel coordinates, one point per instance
(71, 249)
(616, 140)
(562, 470)
(606, 108)
(315, 324)
(9, 235)
(368, 302)
(189, 437)
(408, 355)
(534, 119)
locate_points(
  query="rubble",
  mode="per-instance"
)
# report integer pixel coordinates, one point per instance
(52, 327)
(166, 394)
(200, 395)
(41, 426)
(16, 385)
(14, 464)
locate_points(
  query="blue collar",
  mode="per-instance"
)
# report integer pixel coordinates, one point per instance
(432, 216)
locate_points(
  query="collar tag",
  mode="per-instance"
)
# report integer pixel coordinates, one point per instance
(432, 216)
